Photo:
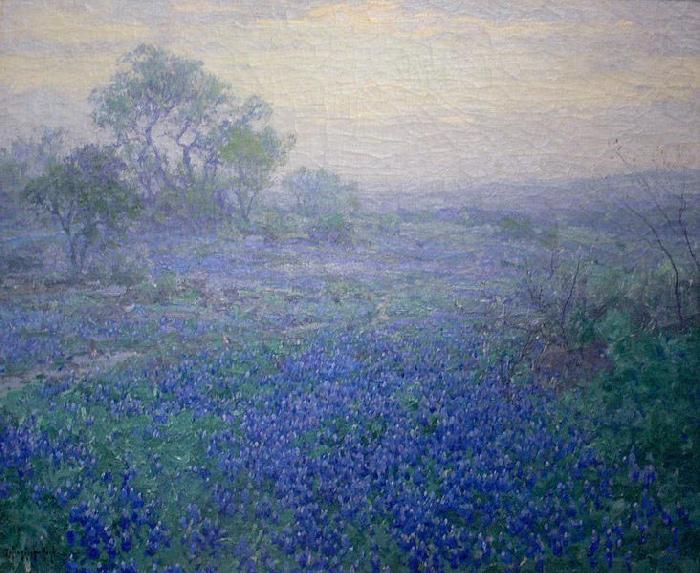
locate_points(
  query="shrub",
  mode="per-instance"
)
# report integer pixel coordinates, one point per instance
(19, 261)
(325, 201)
(333, 228)
(126, 269)
(274, 225)
(319, 192)
(547, 320)
(648, 404)
(654, 375)
(195, 204)
(157, 291)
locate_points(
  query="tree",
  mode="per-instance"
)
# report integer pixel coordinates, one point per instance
(546, 316)
(169, 117)
(325, 200)
(87, 195)
(661, 218)
(318, 192)
(250, 158)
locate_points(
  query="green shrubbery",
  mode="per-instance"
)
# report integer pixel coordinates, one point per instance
(19, 261)
(621, 344)
(649, 406)
(196, 204)
(325, 202)
(157, 291)
(331, 227)
(650, 398)
(275, 224)
(125, 269)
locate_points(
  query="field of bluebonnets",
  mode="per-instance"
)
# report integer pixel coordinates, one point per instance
(201, 371)
(304, 407)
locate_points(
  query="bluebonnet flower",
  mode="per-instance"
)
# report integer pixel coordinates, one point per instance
(354, 431)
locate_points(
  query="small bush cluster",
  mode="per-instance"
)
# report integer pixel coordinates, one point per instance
(332, 228)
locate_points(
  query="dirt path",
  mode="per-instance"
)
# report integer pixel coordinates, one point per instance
(81, 365)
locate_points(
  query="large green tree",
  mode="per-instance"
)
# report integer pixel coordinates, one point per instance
(169, 118)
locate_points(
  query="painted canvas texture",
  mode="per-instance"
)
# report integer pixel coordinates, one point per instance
(349, 286)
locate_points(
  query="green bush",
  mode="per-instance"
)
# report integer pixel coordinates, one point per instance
(648, 406)
(20, 261)
(127, 271)
(332, 228)
(194, 204)
(274, 225)
(650, 400)
(158, 291)
(320, 192)
(325, 201)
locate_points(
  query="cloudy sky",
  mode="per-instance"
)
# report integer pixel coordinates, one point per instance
(394, 92)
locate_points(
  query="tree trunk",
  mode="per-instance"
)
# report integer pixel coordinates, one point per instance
(73, 254)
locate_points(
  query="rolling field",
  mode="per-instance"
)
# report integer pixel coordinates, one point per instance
(290, 406)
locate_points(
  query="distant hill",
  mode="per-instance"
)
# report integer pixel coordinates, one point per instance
(538, 196)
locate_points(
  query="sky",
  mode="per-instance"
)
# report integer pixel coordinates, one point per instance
(394, 93)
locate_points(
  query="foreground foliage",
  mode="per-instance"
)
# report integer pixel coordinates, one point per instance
(365, 452)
